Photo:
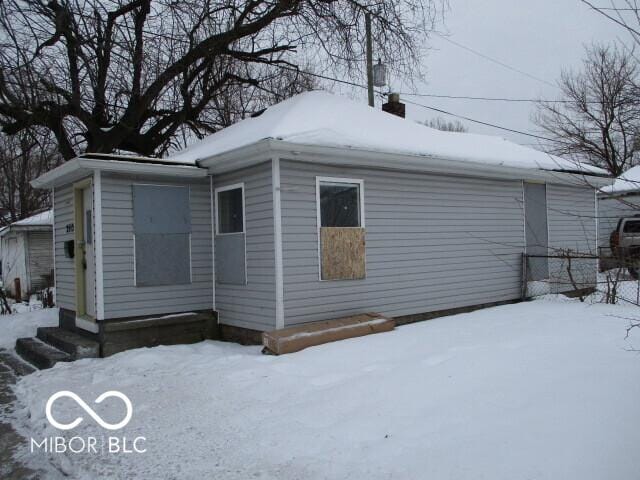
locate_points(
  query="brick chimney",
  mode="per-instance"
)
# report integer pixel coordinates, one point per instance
(393, 105)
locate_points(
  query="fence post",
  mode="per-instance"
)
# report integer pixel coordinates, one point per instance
(523, 286)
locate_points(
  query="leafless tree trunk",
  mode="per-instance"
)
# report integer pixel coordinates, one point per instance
(598, 119)
(134, 75)
(24, 157)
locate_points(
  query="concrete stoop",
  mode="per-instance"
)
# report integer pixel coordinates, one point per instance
(54, 344)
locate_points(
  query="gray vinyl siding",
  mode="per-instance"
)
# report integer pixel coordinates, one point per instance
(572, 227)
(252, 305)
(64, 268)
(433, 242)
(122, 298)
(40, 257)
(610, 210)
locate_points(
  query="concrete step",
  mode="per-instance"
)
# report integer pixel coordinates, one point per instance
(69, 342)
(40, 354)
(14, 364)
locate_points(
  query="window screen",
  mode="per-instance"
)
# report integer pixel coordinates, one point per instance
(339, 205)
(162, 228)
(230, 211)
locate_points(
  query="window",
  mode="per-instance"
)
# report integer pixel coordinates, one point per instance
(341, 233)
(632, 226)
(162, 235)
(230, 209)
(339, 204)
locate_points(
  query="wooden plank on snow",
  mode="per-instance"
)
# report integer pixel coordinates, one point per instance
(294, 339)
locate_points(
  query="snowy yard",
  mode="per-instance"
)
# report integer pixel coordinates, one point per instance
(541, 390)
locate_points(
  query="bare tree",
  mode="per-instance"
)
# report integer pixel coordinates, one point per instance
(23, 157)
(132, 75)
(440, 123)
(598, 119)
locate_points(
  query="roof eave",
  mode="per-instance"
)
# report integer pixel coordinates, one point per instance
(77, 168)
(269, 148)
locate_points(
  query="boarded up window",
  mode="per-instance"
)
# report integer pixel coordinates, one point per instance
(342, 238)
(162, 228)
(537, 234)
(343, 253)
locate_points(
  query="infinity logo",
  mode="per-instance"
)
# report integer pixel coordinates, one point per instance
(89, 410)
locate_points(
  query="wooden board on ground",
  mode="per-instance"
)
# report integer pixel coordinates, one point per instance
(294, 339)
(342, 253)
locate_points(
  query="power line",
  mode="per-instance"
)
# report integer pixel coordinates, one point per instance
(491, 59)
(488, 99)
(354, 84)
(512, 130)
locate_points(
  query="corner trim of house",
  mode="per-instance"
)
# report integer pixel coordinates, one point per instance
(97, 220)
(277, 241)
(53, 231)
(27, 270)
(213, 242)
(596, 212)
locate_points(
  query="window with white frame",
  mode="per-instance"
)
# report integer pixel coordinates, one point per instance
(341, 233)
(230, 209)
(340, 202)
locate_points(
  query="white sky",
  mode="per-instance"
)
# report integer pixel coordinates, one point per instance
(539, 37)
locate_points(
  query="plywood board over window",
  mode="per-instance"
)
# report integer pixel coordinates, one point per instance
(343, 253)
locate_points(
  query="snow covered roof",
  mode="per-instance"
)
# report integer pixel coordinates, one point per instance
(39, 219)
(627, 182)
(322, 119)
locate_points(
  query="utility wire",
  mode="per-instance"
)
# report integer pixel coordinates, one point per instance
(354, 84)
(491, 59)
(489, 99)
(512, 130)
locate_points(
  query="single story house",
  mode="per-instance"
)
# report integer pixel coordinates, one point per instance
(316, 208)
(622, 199)
(26, 254)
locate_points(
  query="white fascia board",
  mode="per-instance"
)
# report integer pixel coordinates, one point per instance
(265, 149)
(78, 167)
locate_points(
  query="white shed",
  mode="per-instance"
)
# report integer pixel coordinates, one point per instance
(26, 253)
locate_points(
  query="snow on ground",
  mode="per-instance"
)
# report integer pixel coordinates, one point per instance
(25, 323)
(541, 390)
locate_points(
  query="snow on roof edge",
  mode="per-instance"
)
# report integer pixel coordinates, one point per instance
(339, 122)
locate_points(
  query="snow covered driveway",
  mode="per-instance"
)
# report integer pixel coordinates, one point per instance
(541, 390)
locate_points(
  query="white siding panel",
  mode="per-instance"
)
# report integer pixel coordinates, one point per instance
(121, 297)
(40, 258)
(65, 272)
(252, 305)
(572, 227)
(432, 242)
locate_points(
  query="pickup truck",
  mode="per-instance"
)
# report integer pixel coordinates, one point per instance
(625, 244)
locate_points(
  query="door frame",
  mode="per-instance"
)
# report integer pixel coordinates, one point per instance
(80, 250)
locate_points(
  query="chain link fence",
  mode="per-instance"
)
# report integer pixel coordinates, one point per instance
(599, 278)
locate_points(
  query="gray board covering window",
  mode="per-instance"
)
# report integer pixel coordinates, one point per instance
(162, 231)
